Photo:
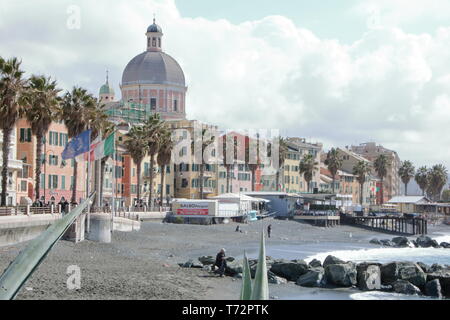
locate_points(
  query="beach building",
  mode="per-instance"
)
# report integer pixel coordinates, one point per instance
(412, 204)
(15, 168)
(392, 182)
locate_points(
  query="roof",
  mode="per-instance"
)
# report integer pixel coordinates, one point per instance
(106, 89)
(409, 199)
(235, 196)
(153, 67)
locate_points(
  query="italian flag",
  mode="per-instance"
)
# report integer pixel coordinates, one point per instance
(104, 148)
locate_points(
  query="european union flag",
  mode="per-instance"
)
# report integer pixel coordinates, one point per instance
(78, 145)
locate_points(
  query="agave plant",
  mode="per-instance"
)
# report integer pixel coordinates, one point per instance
(260, 290)
(246, 291)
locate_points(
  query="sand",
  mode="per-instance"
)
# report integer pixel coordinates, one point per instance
(144, 264)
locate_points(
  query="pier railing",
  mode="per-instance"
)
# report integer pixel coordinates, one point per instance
(394, 225)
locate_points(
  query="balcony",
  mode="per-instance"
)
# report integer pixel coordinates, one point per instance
(208, 190)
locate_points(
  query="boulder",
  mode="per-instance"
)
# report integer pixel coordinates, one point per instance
(425, 242)
(401, 242)
(444, 279)
(414, 242)
(290, 270)
(368, 276)
(332, 260)
(436, 267)
(187, 264)
(315, 264)
(342, 275)
(433, 289)
(312, 278)
(230, 259)
(233, 268)
(435, 244)
(408, 271)
(424, 266)
(375, 241)
(445, 245)
(405, 287)
(387, 243)
(274, 279)
(207, 260)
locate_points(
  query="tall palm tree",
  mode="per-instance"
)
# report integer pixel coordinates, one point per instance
(164, 156)
(152, 129)
(307, 167)
(437, 178)
(334, 163)
(76, 113)
(361, 170)
(12, 87)
(421, 178)
(381, 166)
(226, 143)
(107, 130)
(136, 145)
(406, 173)
(282, 155)
(204, 140)
(42, 107)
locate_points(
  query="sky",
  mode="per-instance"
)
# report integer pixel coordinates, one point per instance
(338, 72)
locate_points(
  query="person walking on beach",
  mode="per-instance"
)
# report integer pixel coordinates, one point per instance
(221, 263)
(269, 230)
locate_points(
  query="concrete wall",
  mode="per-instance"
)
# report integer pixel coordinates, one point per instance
(17, 229)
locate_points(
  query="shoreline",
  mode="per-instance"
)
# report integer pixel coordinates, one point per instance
(144, 264)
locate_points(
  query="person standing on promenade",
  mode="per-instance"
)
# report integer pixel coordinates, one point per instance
(269, 230)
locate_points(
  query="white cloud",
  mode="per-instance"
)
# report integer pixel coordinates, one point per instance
(389, 86)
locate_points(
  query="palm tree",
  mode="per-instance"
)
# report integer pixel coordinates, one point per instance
(42, 107)
(334, 163)
(12, 87)
(253, 164)
(152, 129)
(228, 166)
(164, 157)
(381, 165)
(406, 173)
(361, 170)
(307, 167)
(421, 178)
(204, 140)
(437, 178)
(136, 145)
(282, 155)
(77, 108)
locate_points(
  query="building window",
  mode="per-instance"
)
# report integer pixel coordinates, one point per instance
(53, 181)
(154, 42)
(53, 160)
(23, 186)
(25, 135)
(153, 103)
(42, 181)
(175, 105)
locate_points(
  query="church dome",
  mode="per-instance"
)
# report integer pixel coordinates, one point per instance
(153, 67)
(106, 89)
(154, 28)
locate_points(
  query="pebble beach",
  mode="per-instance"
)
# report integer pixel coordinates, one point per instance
(143, 265)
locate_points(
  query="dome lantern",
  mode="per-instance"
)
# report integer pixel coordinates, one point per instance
(106, 93)
(154, 37)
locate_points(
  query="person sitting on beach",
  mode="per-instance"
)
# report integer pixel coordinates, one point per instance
(221, 263)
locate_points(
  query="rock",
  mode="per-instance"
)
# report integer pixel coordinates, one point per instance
(207, 268)
(274, 279)
(408, 271)
(414, 242)
(386, 288)
(233, 268)
(435, 244)
(368, 276)
(433, 289)
(445, 245)
(197, 266)
(405, 287)
(207, 260)
(332, 260)
(312, 278)
(436, 267)
(401, 242)
(187, 264)
(375, 241)
(315, 264)
(425, 242)
(290, 270)
(424, 266)
(387, 243)
(343, 275)
(444, 279)
(230, 259)
(238, 276)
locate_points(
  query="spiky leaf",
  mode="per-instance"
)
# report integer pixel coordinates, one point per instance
(246, 291)
(261, 285)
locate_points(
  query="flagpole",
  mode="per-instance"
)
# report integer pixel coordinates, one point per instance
(99, 183)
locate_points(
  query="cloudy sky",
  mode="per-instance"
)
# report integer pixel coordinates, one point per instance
(339, 72)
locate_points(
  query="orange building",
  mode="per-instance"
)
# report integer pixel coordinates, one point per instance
(56, 174)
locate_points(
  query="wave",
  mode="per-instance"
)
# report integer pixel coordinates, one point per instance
(378, 295)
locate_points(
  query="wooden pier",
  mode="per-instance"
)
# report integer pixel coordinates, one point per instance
(320, 220)
(393, 225)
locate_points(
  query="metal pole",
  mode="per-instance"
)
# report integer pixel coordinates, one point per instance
(87, 188)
